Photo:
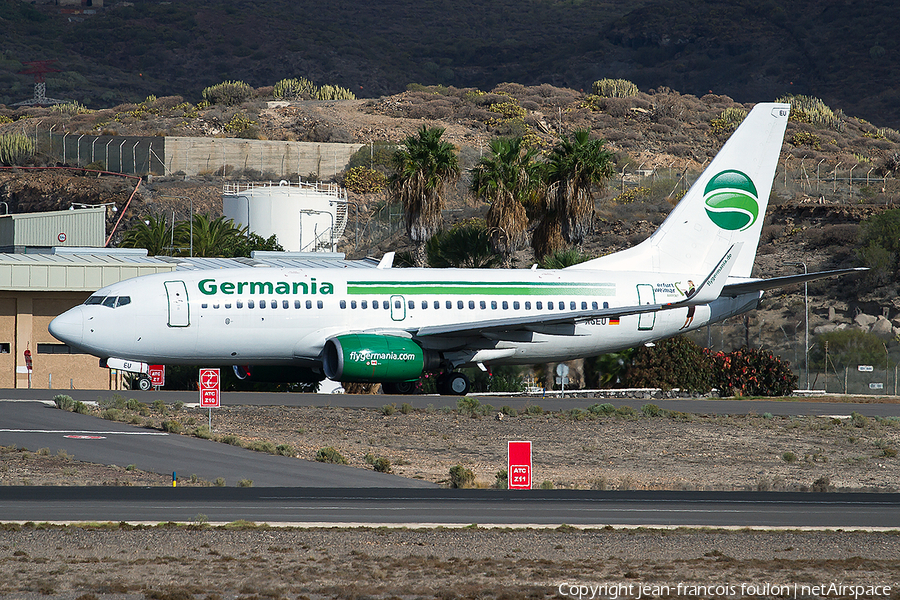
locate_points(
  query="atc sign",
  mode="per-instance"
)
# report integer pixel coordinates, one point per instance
(209, 388)
(519, 465)
(158, 375)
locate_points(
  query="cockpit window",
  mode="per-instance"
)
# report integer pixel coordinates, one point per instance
(123, 300)
(110, 301)
(94, 300)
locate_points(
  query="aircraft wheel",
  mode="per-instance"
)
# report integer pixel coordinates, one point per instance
(143, 383)
(454, 384)
(399, 387)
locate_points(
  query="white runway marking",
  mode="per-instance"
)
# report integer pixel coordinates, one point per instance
(76, 431)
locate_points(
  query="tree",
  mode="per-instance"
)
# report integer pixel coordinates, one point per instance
(879, 236)
(507, 178)
(466, 245)
(671, 363)
(424, 167)
(151, 233)
(560, 259)
(574, 166)
(211, 237)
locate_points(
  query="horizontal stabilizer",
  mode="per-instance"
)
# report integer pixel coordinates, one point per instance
(760, 285)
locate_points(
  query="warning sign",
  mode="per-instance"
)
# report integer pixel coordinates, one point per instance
(519, 465)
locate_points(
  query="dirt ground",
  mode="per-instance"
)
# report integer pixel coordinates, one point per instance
(572, 449)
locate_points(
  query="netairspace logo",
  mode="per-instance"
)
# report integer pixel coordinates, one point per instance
(732, 201)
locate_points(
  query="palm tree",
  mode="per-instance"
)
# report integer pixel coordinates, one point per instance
(574, 166)
(424, 167)
(466, 245)
(151, 233)
(211, 237)
(507, 178)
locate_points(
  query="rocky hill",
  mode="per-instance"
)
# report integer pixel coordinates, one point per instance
(662, 140)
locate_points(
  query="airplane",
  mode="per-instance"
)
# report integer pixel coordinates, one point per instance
(390, 326)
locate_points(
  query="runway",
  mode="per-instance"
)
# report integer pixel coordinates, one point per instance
(441, 507)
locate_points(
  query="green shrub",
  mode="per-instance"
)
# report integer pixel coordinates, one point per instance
(133, 404)
(15, 148)
(294, 88)
(546, 485)
(615, 88)
(388, 409)
(509, 411)
(111, 414)
(228, 93)
(159, 406)
(602, 409)
(232, 440)
(672, 363)
(501, 480)
(858, 420)
(262, 446)
(245, 483)
(81, 408)
(534, 409)
(219, 482)
(330, 455)
(284, 450)
(469, 406)
(651, 410)
(172, 426)
(64, 402)
(406, 408)
(847, 348)
(363, 180)
(461, 477)
(382, 465)
(808, 109)
(789, 457)
(202, 432)
(727, 121)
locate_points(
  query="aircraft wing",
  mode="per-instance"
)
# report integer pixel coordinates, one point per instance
(707, 291)
(758, 285)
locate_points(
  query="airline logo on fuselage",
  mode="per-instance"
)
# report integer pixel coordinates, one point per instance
(209, 287)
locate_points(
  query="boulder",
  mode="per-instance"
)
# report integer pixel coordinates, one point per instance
(883, 328)
(865, 321)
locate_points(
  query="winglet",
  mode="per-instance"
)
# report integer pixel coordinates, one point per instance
(712, 286)
(386, 262)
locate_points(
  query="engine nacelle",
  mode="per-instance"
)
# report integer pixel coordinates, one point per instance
(372, 358)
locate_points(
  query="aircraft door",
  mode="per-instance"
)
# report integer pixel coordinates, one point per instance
(178, 304)
(398, 308)
(646, 296)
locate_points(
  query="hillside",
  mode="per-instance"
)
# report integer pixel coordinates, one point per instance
(752, 51)
(661, 140)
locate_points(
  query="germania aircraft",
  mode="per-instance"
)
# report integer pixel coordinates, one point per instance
(392, 325)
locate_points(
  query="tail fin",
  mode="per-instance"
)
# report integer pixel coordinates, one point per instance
(725, 206)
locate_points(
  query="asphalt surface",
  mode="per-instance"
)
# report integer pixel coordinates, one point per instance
(452, 507)
(787, 407)
(35, 425)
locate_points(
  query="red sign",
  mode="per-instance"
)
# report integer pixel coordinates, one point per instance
(519, 465)
(209, 388)
(28, 360)
(158, 375)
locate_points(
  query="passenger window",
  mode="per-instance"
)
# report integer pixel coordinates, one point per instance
(123, 300)
(363, 304)
(386, 304)
(227, 306)
(572, 305)
(353, 304)
(516, 305)
(528, 306)
(309, 304)
(459, 304)
(285, 304)
(216, 306)
(250, 304)
(584, 306)
(437, 304)
(562, 305)
(110, 301)
(239, 304)
(550, 305)
(319, 304)
(606, 305)
(594, 305)
(343, 304)
(539, 305)
(505, 305)
(493, 305)
(411, 303)
(204, 306)
(375, 304)
(482, 305)
(262, 303)
(449, 305)
(297, 304)
(424, 303)
(471, 305)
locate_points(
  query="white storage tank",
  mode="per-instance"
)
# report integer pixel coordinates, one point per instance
(305, 217)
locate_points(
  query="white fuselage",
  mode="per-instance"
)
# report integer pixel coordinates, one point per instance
(272, 316)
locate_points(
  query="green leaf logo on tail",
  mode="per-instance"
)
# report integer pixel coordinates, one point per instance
(731, 200)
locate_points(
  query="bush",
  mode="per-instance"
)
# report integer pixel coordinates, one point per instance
(382, 465)
(501, 482)
(171, 426)
(673, 363)
(615, 88)
(111, 414)
(363, 180)
(245, 483)
(461, 477)
(81, 408)
(406, 408)
(753, 372)
(602, 409)
(388, 409)
(64, 402)
(651, 410)
(262, 446)
(284, 450)
(232, 440)
(202, 432)
(228, 93)
(15, 148)
(330, 455)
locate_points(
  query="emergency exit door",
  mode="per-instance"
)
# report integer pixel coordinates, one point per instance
(646, 296)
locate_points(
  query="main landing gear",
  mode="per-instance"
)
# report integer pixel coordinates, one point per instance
(448, 384)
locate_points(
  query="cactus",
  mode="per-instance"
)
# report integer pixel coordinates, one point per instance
(808, 109)
(615, 88)
(294, 88)
(15, 148)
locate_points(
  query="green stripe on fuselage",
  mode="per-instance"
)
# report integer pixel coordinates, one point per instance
(461, 288)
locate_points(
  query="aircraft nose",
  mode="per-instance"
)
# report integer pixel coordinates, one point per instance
(69, 326)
